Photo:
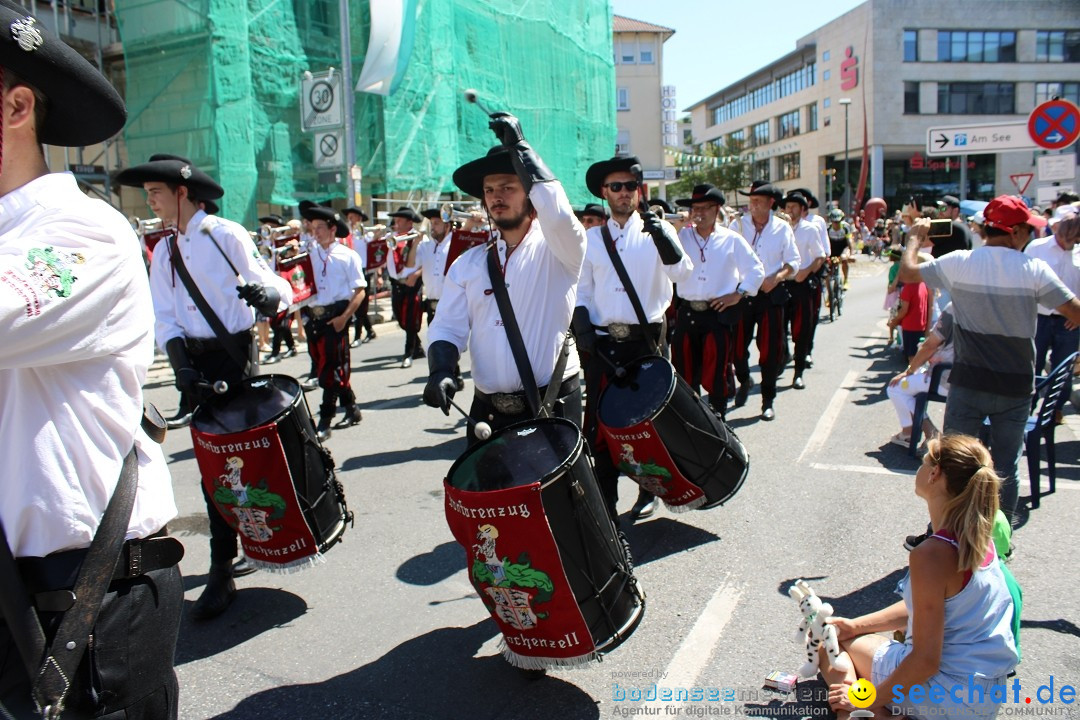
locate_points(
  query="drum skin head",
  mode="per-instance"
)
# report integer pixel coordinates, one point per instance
(250, 404)
(521, 454)
(640, 396)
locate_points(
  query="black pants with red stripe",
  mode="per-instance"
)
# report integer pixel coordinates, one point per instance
(765, 314)
(362, 318)
(598, 373)
(703, 351)
(803, 320)
(329, 350)
(409, 311)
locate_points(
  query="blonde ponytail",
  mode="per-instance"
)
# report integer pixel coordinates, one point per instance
(973, 488)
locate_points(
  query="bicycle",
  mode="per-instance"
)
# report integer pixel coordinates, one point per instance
(834, 287)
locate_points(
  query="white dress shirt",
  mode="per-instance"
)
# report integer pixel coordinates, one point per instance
(431, 257)
(808, 243)
(338, 273)
(541, 277)
(77, 341)
(391, 264)
(775, 244)
(602, 292)
(823, 231)
(176, 313)
(1064, 263)
(729, 265)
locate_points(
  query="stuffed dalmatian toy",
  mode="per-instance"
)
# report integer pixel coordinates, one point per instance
(813, 630)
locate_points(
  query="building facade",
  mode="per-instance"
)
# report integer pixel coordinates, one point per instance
(639, 94)
(872, 82)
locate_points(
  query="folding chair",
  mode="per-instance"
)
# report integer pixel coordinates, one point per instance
(1040, 427)
(919, 413)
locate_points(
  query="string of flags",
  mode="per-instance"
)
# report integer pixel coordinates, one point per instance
(682, 158)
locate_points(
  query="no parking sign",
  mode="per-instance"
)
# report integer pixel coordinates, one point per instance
(1054, 124)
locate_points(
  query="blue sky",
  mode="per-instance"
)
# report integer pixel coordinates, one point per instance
(716, 42)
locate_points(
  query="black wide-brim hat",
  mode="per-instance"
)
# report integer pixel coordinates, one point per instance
(595, 210)
(798, 197)
(408, 213)
(353, 209)
(432, 213)
(598, 172)
(272, 219)
(175, 170)
(662, 203)
(83, 108)
(805, 192)
(765, 189)
(470, 176)
(318, 212)
(210, 207)
(703, 193)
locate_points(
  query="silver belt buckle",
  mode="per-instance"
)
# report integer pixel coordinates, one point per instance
(619, 331)
(508, 404)
(699, 305)
(434, 302)
(317, 311)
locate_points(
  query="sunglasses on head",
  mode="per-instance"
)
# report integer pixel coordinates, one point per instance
(618, 186)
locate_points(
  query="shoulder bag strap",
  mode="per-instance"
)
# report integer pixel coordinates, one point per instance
(204, 307)
(620, 269)
(513, 332)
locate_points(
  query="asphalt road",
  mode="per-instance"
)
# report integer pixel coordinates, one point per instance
(389, 626)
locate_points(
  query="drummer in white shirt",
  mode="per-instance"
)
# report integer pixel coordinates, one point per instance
(430, 256)
(812, 255)
(606, 326)
(540, 246)
(711, 301)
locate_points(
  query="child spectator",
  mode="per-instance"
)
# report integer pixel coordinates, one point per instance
(912, 317)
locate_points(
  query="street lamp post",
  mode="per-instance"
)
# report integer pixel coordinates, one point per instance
(847, 185)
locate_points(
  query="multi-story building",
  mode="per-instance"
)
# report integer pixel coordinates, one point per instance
(642, 115)
(874, 81)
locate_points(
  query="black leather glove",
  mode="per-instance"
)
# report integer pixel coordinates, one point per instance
(529, 167)
(667, 245)
(187, 377)
(507, 128)
(263, 298)
(442, 359)
(584, 334)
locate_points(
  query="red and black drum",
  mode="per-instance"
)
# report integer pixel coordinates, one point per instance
(267, 474)
(543, 553)
(666, 438)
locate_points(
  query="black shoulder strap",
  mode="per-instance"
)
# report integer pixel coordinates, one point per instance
(51, 671)
(620, 269)
(204, 307)
(513, 332)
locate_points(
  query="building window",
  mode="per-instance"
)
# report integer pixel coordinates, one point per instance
(760, 171)
(627, 53)
(825, 75)
(647, 52)
(825, 56)
(1065, 91)
(687, 136)
(622, 98)
(911, 98)
(737, 138)
(759, 134)
(976, 98)
(826, 102)
(1057, 46)
(789, 166)
(780, 87)
(976, 46)
(622, 143)
(911, 46)
(811, 117)
(787, 125)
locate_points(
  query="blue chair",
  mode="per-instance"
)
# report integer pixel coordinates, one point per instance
(919, 413)
(1040, 426)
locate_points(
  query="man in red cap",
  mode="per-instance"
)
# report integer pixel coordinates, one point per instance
(995, 292)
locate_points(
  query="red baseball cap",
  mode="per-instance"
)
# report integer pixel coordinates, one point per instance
(1006, 212)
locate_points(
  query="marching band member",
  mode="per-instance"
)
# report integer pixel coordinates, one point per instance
(711, 303)
(213, 250)
(606, 326)
(430, 256)
(405, 288)
(356, 219)
(339, 280)
(823, 231)
(771, 240)
(592, 216)
(540, 246)
(812, 254)
(77, 317)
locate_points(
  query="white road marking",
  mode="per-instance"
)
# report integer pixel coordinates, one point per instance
(694, 652)
(830, 416)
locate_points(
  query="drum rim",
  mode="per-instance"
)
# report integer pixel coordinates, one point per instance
(247, 382)
(667, 398)
(556, 472)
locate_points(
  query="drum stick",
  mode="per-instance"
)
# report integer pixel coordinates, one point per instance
(620, 371)
(220, 387)
(480, 428)
(470, 96)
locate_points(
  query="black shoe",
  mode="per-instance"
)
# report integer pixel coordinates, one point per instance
(322, 432)
(406, 362)
(768, 414)
(310, 384)
(218, 594)
(242, 567)
(291, 352)
(271, 359)
(809, 361)
(352, 417)
(798, 383)
(913, 541)
(644, 507)
(179, 420)
(743, 393)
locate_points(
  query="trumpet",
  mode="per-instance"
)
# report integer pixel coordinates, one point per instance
(393, 240)
(658, 210)
(449, 213)
(276, 234)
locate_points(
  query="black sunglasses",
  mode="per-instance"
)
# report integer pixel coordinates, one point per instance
(617, 186)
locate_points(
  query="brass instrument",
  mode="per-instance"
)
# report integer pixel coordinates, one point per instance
(277, 235)
(659, 210)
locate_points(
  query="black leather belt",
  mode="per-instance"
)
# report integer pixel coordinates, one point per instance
(514, 403)
(697, 305)
(201, 346)
(623, 332)
(49, 579)
(328, 311)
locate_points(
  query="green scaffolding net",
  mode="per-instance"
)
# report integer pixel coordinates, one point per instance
(218, 81)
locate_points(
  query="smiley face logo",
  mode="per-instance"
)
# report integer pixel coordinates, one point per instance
(862, 693)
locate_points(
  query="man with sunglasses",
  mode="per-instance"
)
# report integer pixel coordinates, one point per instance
(726, 270)
(606, 325)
